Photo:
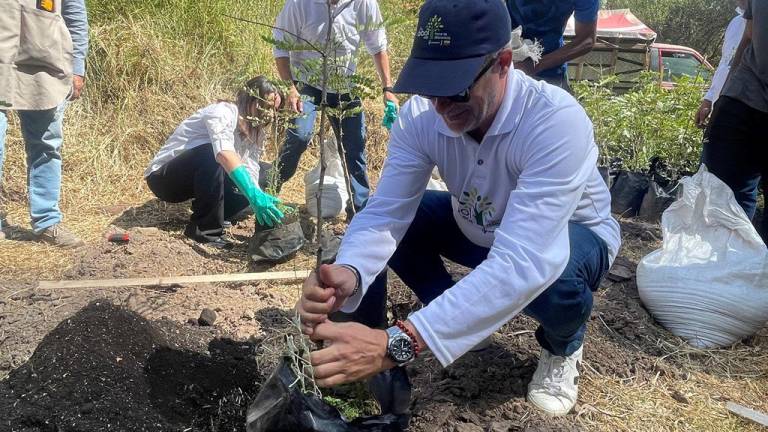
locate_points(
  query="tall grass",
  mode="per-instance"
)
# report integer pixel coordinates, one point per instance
(151, 64)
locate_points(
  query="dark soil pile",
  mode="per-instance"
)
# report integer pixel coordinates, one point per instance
(107, 368)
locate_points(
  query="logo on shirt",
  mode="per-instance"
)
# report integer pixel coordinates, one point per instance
(46, 5)
(433, 34)
(476, 208)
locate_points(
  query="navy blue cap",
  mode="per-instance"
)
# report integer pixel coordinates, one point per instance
(452, 39)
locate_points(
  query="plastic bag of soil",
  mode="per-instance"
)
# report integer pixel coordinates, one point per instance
(628, 192)
(276, 244)
(330, 243)
(281, 406)
(655, 201)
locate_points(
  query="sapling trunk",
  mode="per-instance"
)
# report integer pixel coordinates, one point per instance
(347, 179)
(321, 136)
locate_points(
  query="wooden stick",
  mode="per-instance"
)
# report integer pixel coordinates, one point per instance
(170, 280)
(747, 413)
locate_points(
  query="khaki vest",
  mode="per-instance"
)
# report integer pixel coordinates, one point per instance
(35, 55)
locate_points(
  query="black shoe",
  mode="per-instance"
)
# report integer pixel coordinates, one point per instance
(213, 238)
(239, 216)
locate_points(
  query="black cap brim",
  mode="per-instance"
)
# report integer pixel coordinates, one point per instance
(438, 77)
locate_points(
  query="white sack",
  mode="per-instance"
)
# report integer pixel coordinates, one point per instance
(334, 199)
(708, 284)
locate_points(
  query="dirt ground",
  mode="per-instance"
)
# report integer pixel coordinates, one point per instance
(136, 359)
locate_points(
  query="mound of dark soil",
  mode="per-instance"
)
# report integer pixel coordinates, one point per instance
(107, 368)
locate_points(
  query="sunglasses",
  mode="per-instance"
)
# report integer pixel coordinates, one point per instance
(464, 96)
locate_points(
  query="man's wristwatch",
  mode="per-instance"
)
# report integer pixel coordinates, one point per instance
(387, 89)
(401, 347)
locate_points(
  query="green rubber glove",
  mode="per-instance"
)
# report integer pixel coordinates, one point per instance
(390, 114)
(263, 204)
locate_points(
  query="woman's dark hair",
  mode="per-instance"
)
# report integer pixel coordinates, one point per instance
(256, 89)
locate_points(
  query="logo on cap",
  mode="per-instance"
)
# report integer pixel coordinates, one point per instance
(433, 34)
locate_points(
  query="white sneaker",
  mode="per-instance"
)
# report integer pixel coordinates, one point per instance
(555, 384)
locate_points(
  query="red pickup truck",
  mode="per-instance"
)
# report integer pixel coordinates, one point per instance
(678, 61)
(626, 47)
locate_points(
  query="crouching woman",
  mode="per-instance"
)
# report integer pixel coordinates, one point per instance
(213, 158)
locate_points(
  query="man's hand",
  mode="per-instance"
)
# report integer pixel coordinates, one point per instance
(527, 66)
(353, 352)
(323, 294)
(389, 96)
(703, 113)
(294, 100)
(78, 82)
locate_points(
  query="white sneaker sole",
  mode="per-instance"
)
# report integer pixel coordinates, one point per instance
(550, 413)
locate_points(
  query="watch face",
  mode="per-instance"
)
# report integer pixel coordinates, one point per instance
(401, 349)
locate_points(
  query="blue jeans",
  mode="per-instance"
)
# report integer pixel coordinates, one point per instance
(562, 310)
(736, 151)
(42, 131)
(352, 129)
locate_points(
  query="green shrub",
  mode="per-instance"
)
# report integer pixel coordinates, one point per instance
(646, 122)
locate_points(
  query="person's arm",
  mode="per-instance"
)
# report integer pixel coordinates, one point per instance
(381, 59)
(76, 18)
(585, 18)
(391, 209)
(374, 36)
(582, 43)
(357, 351)
(293, 98)
(731, 41)
(229, 160)
(221, 124)
(383, 222)
(287, 26)
(733, 33)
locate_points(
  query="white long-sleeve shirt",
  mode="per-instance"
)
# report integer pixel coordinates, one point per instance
(733, 34)
(215, 125)
(357, 20)
(514, 192)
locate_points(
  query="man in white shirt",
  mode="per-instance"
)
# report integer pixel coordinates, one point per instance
(526, 208)
(733, 34)
(355, 21)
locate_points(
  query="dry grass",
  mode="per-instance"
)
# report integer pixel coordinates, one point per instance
(692, 400)
(143, 81)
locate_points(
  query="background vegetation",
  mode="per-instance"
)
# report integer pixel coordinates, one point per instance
(699, 24)
(154, 62)
(645, 122)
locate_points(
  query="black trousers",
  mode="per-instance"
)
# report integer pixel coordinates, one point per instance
(195, 174)
(736, 151)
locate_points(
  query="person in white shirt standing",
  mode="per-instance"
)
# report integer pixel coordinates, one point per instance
(526, 208)
(733, 34)
(306, 20)
(224, 137)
